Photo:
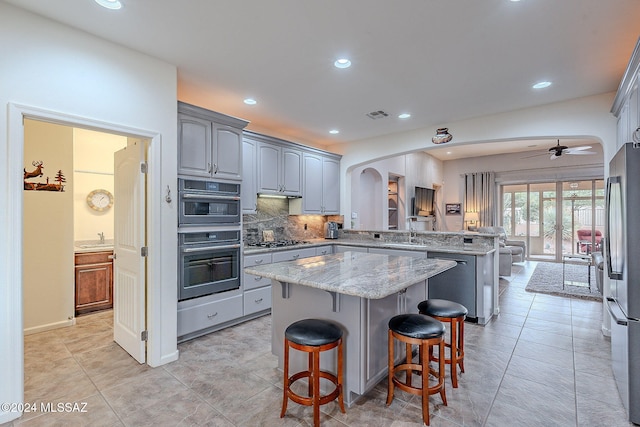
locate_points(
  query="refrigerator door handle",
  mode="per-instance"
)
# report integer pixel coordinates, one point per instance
(619, 320)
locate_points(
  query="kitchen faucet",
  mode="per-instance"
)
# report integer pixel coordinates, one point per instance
(412, 232)
(101, 235)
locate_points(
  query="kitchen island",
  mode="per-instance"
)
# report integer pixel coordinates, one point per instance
(360, 292)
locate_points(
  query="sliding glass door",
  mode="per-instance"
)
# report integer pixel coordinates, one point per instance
(555, 218)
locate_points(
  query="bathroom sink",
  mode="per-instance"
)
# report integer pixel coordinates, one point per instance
(95, 245)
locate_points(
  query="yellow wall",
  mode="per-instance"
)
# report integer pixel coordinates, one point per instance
(93, 169)
(48, 271)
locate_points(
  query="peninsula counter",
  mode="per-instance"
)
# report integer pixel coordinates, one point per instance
(360, 292)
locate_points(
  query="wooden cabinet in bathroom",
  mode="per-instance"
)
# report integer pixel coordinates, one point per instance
(93, 281)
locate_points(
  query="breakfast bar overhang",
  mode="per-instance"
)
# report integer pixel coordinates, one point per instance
(360, 292)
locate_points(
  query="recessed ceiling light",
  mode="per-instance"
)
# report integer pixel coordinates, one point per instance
(250, 101)
(448, 152)
(110, 4)
(342, 63)
(541, 85)
(404, 116)
(334, 131)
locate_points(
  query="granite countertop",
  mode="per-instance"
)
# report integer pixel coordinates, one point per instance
(364, 275)
(369, 244)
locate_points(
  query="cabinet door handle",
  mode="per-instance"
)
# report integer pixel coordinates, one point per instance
(258, 301)
(257, 278)
(209, 168)
(258, 261)
(215, 168)
(112, 256)
(211, 316)
(296, 256)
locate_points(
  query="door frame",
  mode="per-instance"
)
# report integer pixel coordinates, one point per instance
(14, 360)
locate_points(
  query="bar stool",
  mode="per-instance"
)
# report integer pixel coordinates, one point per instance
(312, 336)
(425, 332)
(454, 314)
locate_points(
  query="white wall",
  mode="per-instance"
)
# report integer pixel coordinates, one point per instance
(587, 117)
(369, 200)
(48, 273)
(55, 70)
(93, 169)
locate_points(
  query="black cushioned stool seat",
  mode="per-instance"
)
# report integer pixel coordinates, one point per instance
(454, 314)
(426, 332)
(313, 336)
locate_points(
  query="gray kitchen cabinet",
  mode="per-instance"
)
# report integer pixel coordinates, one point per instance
(279, 169)
(249, 281)
(209, 143)
(320, 186)
(293, 255)
(249, 196)
(324, 250)
(201, 313)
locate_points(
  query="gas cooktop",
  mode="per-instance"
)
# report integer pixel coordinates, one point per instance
(276, 244)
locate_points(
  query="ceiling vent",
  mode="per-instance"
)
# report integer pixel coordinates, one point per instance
(377, 115)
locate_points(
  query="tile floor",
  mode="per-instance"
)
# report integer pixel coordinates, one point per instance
(542, 362)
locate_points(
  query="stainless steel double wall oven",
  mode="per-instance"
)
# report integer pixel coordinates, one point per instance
(209, 234)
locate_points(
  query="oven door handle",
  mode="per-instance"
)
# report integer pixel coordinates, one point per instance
(208, 197)
(209, 248)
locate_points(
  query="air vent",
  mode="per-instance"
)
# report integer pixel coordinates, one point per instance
(377, 115)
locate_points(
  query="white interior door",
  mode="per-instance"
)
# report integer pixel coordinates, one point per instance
(129, 269)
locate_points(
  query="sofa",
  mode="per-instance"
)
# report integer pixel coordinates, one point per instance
(510, 251)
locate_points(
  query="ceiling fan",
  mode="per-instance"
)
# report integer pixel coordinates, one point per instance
(559, 150)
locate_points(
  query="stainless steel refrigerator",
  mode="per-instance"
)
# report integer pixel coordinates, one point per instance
(622, 250)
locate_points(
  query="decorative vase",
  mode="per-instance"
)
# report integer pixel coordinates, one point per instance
(442, 136)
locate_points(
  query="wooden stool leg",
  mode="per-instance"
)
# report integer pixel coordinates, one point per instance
(424, 361)
(408, 357)
(315, 381)
(461, 345)
(340, 378)
(285, 397)
(454, 352)
(441, 374)
(391, 366)
(310, 369)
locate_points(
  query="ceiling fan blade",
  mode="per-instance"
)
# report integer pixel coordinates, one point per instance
(582, 147)
(573, 153)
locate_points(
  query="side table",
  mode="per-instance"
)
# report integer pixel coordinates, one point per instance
(577, 259)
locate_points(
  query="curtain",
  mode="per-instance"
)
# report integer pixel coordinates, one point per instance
(480, 196)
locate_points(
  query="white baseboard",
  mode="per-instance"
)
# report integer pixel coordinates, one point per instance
(50, 326)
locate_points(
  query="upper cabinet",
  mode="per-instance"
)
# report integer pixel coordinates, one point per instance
(308, 176)
(626, 105)
(279, 169)
(209, 143)
(320, 186)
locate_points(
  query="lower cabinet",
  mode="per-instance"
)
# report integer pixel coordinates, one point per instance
(93, 281)
(257, 300)
(200, 314)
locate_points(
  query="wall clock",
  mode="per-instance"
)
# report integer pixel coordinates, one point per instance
(100, 200)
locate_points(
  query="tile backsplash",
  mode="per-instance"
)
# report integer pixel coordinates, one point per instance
(273, 214)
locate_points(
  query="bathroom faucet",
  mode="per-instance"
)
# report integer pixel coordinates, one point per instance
(101, 235)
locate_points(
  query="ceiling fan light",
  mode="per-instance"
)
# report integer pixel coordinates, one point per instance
(442, 136)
